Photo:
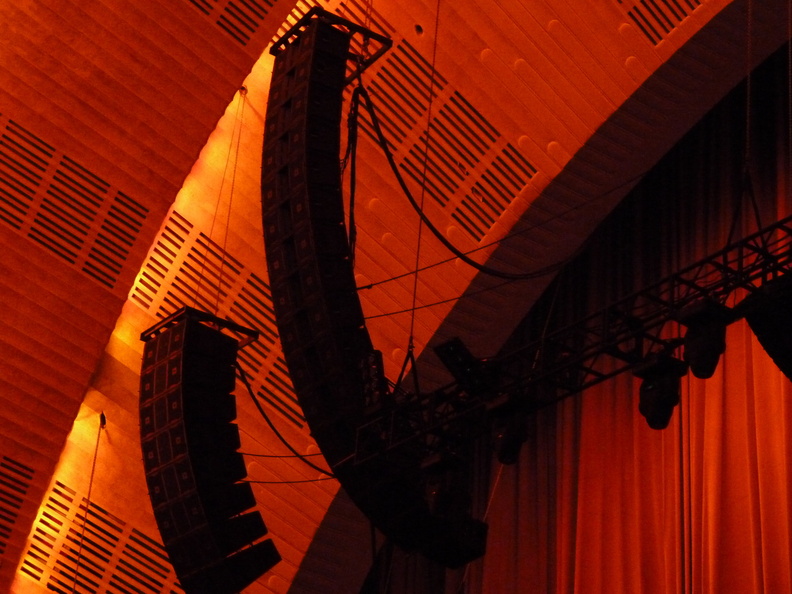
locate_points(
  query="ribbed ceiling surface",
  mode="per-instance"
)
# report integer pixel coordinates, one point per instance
(124, 144)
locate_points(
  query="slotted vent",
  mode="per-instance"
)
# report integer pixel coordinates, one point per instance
(78, 547)
(300, 9)
(15, 480)
(205, 6)
(156, 271)
(365, 15)
(121, 225)
(185, 268)
(184, 261)
(400, 91)
(459, 138)
(657, 18)
(277, 390)
(494, 191)
(253, 306)
(240, 19)
(65, 208)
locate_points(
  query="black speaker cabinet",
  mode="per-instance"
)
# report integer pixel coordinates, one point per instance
(193, 469)
(331, 360)
(320, 320)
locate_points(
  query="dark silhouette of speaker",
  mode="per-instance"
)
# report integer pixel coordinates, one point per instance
(332, 363)
(768, 311)
(193, 469)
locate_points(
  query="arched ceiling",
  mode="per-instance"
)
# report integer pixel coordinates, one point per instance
(119, 128)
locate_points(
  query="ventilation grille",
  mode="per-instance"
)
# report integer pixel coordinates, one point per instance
(365, 15)
(471, 172)
(79, 547)
(459, 137)
(15, 480)
(300, 9)
(657, 18)
(491, 195)
(184, 262)
(62, 206)
(240, 19)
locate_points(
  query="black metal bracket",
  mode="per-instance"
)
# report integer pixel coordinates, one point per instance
(360, 60)
(249, 335)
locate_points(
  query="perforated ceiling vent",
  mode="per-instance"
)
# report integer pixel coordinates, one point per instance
(56, 202)
(657, 18)
(77, 546)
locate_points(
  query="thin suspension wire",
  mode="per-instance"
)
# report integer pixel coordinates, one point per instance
(747, 189)
(465, 575)
(424, 167)
(202, 274)
(238, 126)
(748, 60)
(102, 424)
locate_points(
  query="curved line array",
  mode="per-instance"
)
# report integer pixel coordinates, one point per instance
(336, 372)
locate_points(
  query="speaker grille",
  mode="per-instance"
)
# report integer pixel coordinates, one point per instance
(190, 445)
(318, 313)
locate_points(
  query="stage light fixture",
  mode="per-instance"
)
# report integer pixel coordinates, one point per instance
(768, 311)
(477, 377)
(705, 338)
(659, 392)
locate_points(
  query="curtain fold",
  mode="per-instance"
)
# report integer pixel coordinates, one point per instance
(599, 502)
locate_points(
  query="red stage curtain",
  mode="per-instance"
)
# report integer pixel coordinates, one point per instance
(599, 502)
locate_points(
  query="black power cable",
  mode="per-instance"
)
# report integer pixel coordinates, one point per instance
(243, 377)
(383, 143)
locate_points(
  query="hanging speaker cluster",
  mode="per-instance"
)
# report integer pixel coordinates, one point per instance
(336, 373)
(768, 312)
(193, 469)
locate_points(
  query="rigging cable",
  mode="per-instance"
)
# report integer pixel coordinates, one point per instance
(102, 425)
(417, 207)
(238, 123)
(351, 159)
(747, 186)
(279, 455)
(202, 274)
(424, 168)
(300, 481)
(243, 377)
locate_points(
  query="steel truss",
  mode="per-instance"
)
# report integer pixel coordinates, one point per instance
(569, 360)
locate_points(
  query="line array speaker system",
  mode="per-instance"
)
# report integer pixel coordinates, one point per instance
(193, 469)
(318, 313)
